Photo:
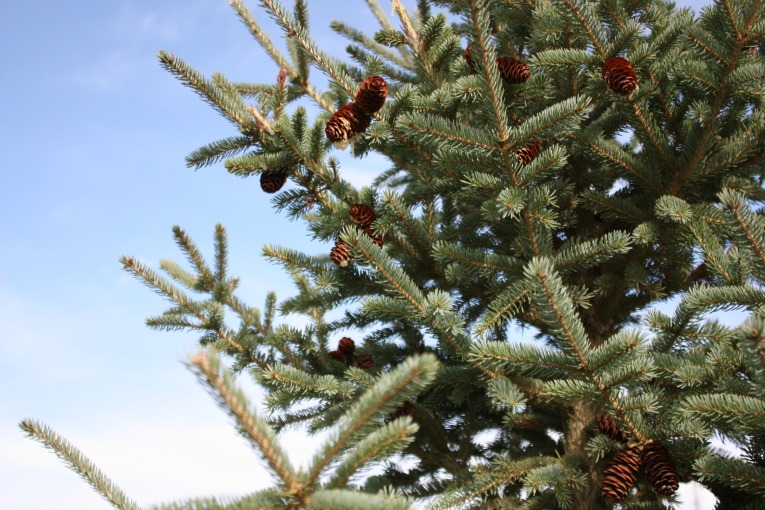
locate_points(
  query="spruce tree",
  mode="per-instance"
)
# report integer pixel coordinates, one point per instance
(562, 165)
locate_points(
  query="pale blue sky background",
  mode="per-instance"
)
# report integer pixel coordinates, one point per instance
(93, 135)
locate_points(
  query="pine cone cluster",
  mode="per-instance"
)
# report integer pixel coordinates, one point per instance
(528, 152)
(340, 254)
(605, 424)
(659, 468)
(271, 182)
(622, 471)
(363, 216)
(353, 118)
(621, 474)
(513, 70)
(346, 353)
(620, 76)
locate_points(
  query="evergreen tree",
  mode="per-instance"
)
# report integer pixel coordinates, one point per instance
(558, 164)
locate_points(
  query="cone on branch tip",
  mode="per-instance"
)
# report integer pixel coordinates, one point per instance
(659, 468)
(621, 474)
(365, 361)
(605, 424)
(340, 254)
(346, 345)
(271, 182)
(469, 59)
(513, 70)
(362, 215)
(377, 239)
(371, 95)
(528, 152)
(346, 123)
(405, 409)
(620, 76)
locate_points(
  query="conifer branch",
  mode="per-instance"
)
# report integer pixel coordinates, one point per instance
(369, 43)
(389, 439)
(78, 463)
(488, 57)
(382, 18)
(349, 500)
(752, 227)
(392, 389)
(299, 35)
(219, 150)
(731, 472)
(403, 285)
(587, 23)
(411, 33)
(232, 400)
(229, 107)
(164, 288)
(280, 60)
(567, 324)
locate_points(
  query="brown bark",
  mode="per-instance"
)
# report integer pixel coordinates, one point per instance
(575, 441)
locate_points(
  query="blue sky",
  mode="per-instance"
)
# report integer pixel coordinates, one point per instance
(93, 135)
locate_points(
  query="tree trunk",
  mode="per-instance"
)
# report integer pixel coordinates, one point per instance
(575, 441)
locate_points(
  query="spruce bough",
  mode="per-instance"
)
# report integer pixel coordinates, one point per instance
(580, 163)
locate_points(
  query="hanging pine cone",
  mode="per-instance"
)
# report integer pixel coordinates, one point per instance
(659, 468)
(469, 59)
(365, 362)
(377, 239)
(346, 123)
(340, 254)
(620, 475)
(337, 355)
(620, 76)
(371, 95)
(271, 182)
(528, 152)
(513, 70)
(406, 409)
(362, 215)
(606, 424)
(346, 345)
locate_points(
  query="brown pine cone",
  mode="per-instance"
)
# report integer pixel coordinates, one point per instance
(365, 362)
(469, 59)
(271, 182)
(377, 239)
(659, 468)
(346, 345)
(371, 94)
(620, 475)
(606, 424)
(406, 409)
(362, 215)
(337, 355)
(620, 76)
(347, 122)
(340, 254)
(513, 70)
(528, 152)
